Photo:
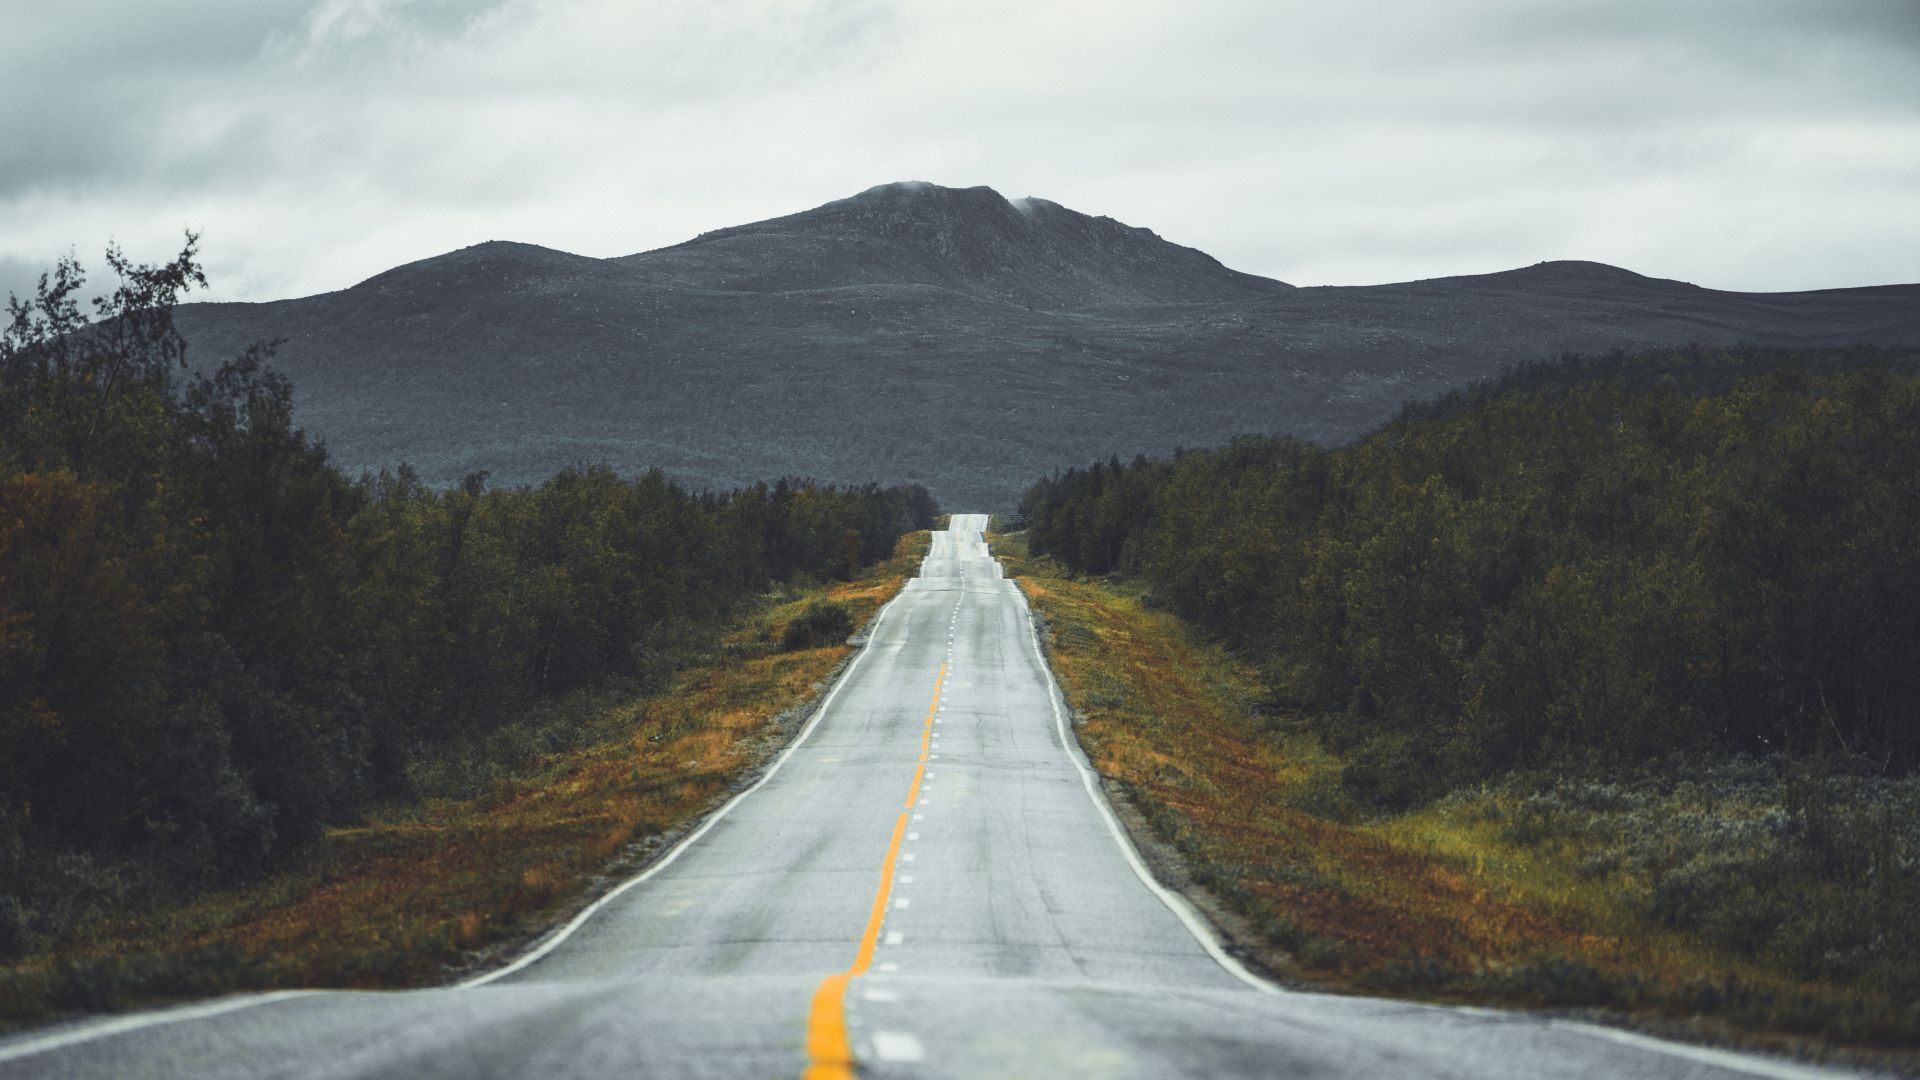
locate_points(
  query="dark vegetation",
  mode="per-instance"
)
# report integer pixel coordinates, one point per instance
(1616, 570)
(980, 342)
(1656, 614)
(214, 644)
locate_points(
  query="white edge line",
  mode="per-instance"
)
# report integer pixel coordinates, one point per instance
(124, 1024)
(554, 940)
(1706, 1055)
(1174, 902)
(121, 1025)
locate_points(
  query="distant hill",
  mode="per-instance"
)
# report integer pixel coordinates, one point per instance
(950, 337)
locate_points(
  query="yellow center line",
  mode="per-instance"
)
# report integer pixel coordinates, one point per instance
(926, 739)
(829, 1052)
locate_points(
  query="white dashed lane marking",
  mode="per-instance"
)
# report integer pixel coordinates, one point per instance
(897, 1046)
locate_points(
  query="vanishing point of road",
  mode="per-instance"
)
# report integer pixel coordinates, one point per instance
(927, 883)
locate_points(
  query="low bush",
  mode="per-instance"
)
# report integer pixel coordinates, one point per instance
(1804, 867)
(822, 623)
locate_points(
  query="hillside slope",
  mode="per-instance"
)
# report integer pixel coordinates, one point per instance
(888, 335)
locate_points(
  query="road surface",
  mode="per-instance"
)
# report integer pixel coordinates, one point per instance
(926, 884)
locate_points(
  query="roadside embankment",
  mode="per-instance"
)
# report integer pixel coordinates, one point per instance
(420, 892)
(1543, 892)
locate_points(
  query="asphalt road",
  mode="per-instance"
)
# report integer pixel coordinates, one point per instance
(926, 884)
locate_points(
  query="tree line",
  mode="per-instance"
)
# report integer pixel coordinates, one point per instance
(213, 644)
(1599, 560)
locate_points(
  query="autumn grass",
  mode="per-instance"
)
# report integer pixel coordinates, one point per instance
(1472, 899)
(420, 893)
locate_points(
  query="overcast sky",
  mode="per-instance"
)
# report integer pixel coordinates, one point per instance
(1741, 144)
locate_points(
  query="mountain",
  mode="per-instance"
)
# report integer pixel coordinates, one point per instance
(917, 333)
(1028, 252)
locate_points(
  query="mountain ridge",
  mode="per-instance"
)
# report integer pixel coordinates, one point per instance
(945, 336)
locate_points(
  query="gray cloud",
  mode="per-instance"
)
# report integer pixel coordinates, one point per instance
(1740, 143)
(94, 81)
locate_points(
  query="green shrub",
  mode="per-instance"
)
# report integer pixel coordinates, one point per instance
(823, 623)
(1560, 982)
(1392, 772)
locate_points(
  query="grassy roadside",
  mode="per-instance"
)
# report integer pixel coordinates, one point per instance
(1490, 896)
(422, 892)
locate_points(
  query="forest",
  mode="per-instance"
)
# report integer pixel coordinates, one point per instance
(1587, 564)
(214, 644)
